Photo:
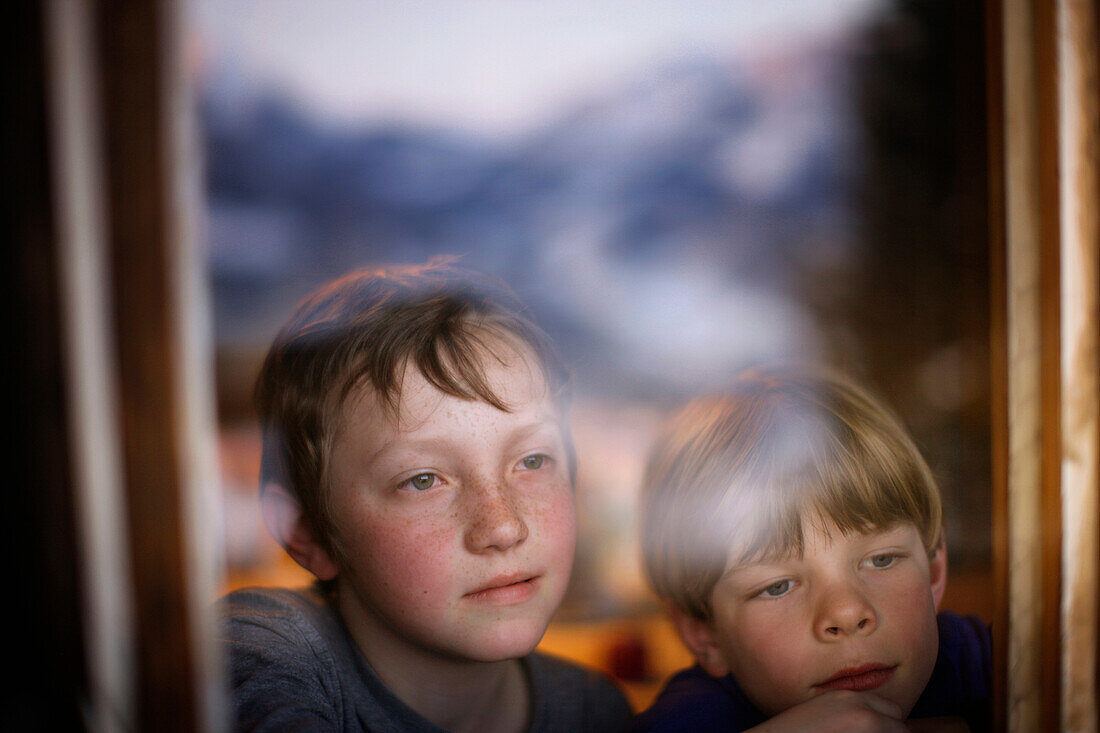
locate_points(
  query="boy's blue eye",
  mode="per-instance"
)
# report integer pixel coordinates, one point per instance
(777, 589)
(421, 481)
(533, 463)
(884, 560)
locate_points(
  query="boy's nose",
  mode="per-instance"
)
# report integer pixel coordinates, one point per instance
(844, 611)
(495, 521)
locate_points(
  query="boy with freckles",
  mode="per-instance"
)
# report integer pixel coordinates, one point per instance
(795, 533)
(418, 462)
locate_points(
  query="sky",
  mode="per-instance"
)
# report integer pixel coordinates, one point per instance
(497, 66)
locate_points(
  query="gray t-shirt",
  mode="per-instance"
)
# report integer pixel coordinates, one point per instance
(293, 666)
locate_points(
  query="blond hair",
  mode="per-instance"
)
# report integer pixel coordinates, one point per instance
(734, 476)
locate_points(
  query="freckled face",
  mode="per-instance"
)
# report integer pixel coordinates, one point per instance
(455, 524)
(856, 612)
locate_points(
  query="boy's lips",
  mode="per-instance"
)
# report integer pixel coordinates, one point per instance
(505, 590)
(864, 677)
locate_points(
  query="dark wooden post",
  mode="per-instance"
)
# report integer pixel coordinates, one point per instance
(44, 643)
(147, 209)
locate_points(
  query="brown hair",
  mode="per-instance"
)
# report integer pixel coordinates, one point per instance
(733, 477)
(364, 329)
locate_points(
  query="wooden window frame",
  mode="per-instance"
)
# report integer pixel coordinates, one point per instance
(1045, 151)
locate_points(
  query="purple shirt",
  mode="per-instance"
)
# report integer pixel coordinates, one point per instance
(960, 685)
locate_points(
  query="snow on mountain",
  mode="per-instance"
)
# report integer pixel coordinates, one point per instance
(659, 231)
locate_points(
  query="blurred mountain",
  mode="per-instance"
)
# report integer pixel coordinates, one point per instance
(823, 200)
(661, 232)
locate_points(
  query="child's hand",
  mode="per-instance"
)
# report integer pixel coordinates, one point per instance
(838, 710)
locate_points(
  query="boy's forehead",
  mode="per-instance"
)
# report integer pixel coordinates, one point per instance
(513, 378)
(742, 558)
(818, 534)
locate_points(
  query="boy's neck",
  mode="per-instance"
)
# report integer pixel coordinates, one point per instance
(492, 697)
(455, 694)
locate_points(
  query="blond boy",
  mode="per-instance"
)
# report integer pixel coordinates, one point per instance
(418, 462)
(795, 533)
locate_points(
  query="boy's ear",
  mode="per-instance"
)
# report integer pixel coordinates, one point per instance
(290, 528)
(700, 638)
(937, 570)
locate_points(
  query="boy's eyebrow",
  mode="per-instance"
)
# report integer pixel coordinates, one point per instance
(740, 567)
(545, 422)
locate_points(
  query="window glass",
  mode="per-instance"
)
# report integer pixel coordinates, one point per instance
(677, 190)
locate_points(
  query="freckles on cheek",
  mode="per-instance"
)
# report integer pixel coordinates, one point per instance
(558, 520)
(407, 557)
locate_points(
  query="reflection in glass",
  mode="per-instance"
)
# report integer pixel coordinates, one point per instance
(677, 192)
